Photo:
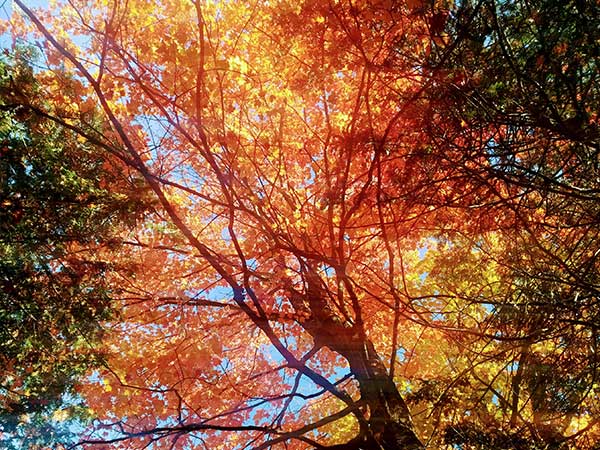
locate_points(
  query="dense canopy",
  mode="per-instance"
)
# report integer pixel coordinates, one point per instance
(369, 224)
(56, 213)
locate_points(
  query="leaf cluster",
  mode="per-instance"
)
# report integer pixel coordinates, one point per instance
(56, 213)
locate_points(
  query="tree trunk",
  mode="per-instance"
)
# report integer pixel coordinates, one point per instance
(390, 423)
(390, 426)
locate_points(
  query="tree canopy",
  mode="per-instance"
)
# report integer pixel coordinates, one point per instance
(56, 213)
(375, 222)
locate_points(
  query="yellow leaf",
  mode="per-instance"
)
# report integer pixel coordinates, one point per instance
(60, 415)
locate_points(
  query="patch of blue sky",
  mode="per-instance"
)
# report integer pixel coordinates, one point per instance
(513, 367)
(162, 143)
(220, 293)
(73, 429)
(300, 399)
(327, 271)
(306, 387)
(401, 354)
(225, 235)
(158, 129)
(489, 307)
(8, 8)
(312, 175)
(186, 174)
(438, 316)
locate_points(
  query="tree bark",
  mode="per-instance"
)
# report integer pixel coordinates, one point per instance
(390, 425)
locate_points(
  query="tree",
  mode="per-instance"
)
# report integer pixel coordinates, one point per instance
(336, 240)
(55, 215)
(522, 89)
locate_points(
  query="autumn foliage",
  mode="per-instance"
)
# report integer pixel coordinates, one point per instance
(363, 235)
